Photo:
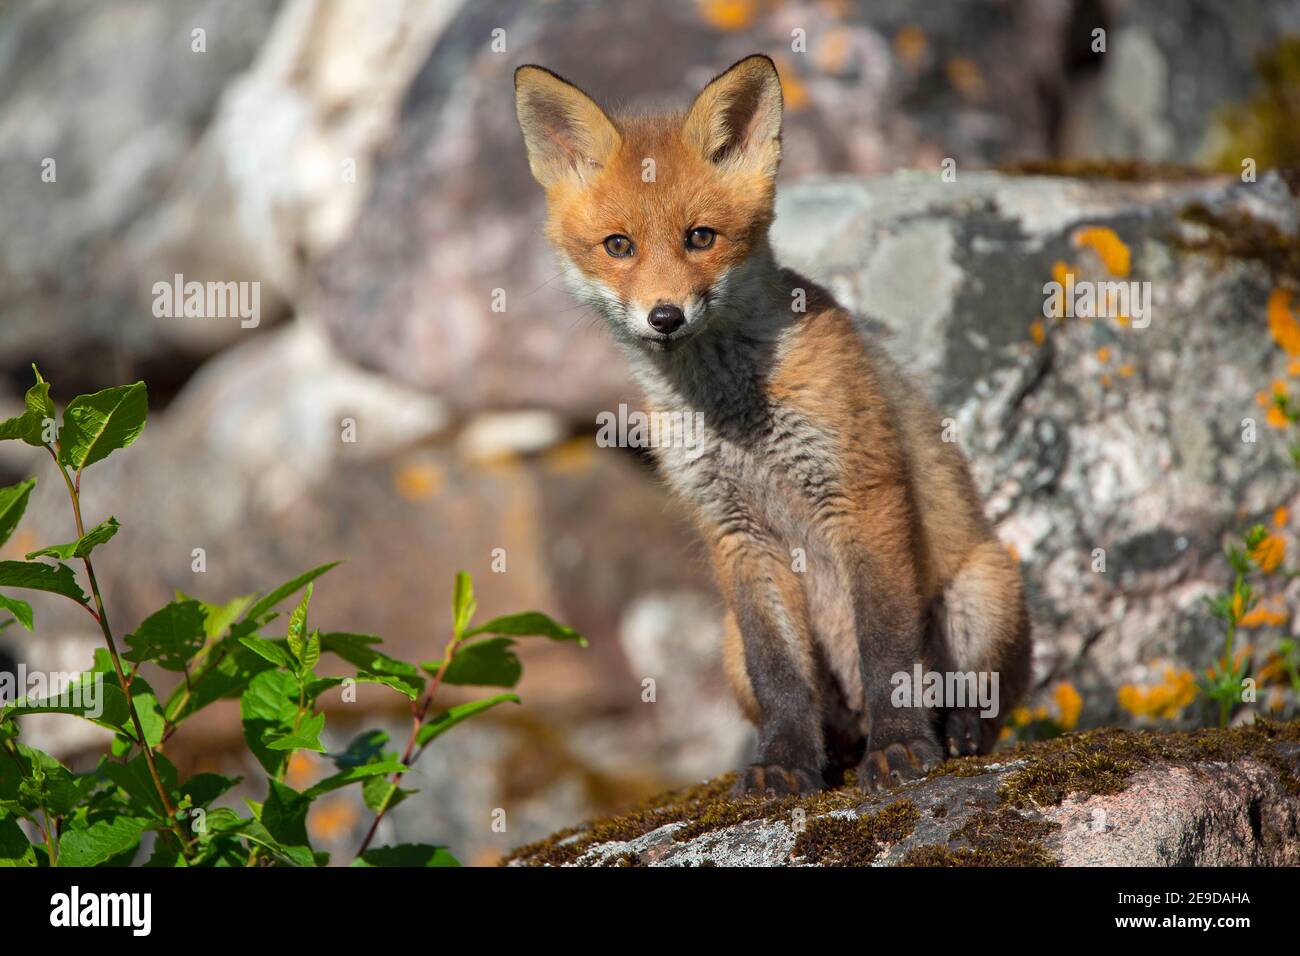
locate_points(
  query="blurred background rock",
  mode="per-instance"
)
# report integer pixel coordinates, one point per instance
(360, 159)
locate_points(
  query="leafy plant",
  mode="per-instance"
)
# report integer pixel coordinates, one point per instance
(221, 651)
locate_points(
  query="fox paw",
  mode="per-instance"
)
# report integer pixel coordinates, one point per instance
(776, 780)
(962, 732)
(897, 763)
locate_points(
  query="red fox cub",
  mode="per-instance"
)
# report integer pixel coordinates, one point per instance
(847, 536)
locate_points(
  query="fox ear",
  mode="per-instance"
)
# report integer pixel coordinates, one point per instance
(566, 133)
(736, 119)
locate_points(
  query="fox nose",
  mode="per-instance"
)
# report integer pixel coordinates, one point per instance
(666, 319)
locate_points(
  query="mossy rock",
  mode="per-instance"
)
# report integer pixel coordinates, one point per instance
(1011, 808)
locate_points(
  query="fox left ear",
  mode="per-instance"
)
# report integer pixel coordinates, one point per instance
(736, 119)
(565, 132)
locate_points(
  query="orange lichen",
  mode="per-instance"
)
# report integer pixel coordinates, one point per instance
(1269, 553)
(911, 46)
(1162, 701)
(1036, 332)
(572, 457)
(418, 481)
(793, 91)
(966, 77)
(1069, 705)
(1104, 241)
(832, 54)
(1282, 322)
(729, 15)
(1264, 617)
(332, 819)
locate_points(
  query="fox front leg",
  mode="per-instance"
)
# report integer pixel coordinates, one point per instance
(902, 742)
(771, 668)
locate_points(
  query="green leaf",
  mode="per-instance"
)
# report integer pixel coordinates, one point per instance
(219, 617)
(169, 637)
(366, 747)
(97, 696)
(203, 788)
(284, 590)
(486, 663)
(41, 782)
(306, 737)
(268, 708)
(270, 650)
(136, 781)
(15, 849)
(21, 610)
(13, 502)
(463, 604)
(319, 685)
(284, 814)
(407, 855)
(94, 426)
(104, 704)
(39, 576)
(380, 793)
(357, 650)
(102, 841)
(461, 712)
(529, 624)
(30, 425)
(235, 666)
(82, 546)
(381, 769)
(311, 653)
(298, 625)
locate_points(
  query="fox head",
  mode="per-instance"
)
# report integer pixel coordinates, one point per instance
(660, 221)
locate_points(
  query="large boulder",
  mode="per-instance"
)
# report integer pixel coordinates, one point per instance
(115, 97)
(1102, 798)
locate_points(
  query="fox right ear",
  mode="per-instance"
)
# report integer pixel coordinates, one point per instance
(566, 133)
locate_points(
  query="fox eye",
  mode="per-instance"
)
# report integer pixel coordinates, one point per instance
(701, 237)
(618, 246)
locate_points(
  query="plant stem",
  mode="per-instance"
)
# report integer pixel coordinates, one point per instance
(418, 713)
(102, 617)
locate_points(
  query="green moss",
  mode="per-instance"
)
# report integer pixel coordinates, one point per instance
(1044, 773)
(1119, 170)
(1239, 235)
(990, 838)
(857, 840)
(1048, 781)
(1103, 761)
(1266, 128)
(702, 809)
